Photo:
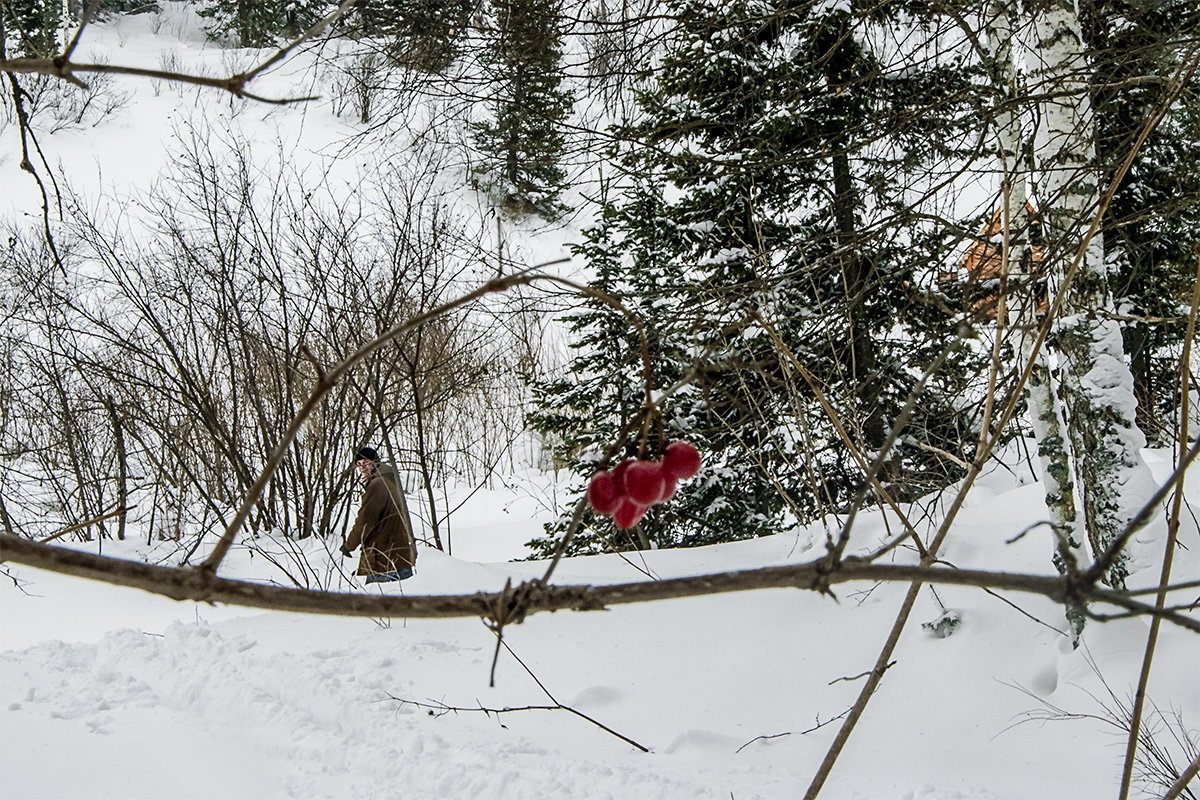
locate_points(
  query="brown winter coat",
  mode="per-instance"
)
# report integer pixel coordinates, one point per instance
(383, 529)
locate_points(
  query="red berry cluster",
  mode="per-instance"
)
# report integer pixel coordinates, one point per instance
(635, 485)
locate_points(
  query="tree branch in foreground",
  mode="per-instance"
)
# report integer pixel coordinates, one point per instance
(63, 68)
(1139, 698)
(535, 596)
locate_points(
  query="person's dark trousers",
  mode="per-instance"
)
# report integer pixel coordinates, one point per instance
(394, 575)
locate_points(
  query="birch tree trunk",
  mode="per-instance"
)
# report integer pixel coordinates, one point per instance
(1097, 385)
(1045, 413)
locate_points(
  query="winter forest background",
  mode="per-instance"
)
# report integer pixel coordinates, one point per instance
(918, 279)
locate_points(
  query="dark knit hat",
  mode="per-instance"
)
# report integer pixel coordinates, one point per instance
(368, 453)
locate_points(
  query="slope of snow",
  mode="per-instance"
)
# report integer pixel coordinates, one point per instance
(131, 695)
(110, 692)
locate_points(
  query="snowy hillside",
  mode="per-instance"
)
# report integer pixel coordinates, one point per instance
(113, 693)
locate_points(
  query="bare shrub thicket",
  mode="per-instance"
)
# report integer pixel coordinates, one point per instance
(161, 372)
(607, 46)
(356, 81)
(56, 106)
(165, 368)
(616, 39)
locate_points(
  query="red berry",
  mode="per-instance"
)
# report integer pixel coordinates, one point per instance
(619, 475)
(602, 492)
(681, 461)
(669, 487)
(628, 513)
(644, 482)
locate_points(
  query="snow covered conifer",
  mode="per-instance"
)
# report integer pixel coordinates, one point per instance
(258, 23)
(521, 144)
(759, 225)
(1151, 224)
(421, 34)
(31, 27)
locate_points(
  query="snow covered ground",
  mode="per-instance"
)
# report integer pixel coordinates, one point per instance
(109, 692)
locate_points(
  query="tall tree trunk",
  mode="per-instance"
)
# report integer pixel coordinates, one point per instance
(122, 462)
(1045, 413)
(1140, 344)
(423, 454)
(840, 70)
(855, 279)
(5, 519)
(512, 162)
(1097, 386)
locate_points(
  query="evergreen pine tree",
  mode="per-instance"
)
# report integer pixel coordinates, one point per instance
(422, 34)
(1152, 221)
(31, 27)
(258, 23)
(522, 144)
(768, 131)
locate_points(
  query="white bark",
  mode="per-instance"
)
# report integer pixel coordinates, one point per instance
(1045, 414)
(1097, 386)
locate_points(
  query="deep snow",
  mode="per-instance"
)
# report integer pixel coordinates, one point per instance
(110, 692)
(132, 695)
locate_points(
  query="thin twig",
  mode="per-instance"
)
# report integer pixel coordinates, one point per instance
(316, 29)
(852, 678)
(27, 135)
(1025, 531)
(816, 727)
(86, 524)
(556, 707)
(836, 421)
(89, 12)
(917, 443)
(881, 457)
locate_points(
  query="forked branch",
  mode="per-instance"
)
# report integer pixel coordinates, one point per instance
(534, 596)
(64, 68)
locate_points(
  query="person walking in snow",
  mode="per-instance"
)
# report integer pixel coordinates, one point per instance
(383, 527)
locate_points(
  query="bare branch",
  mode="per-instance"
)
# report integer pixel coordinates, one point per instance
(1181, 785)
(534, 596)
(87, 524)
(89, 12)
(870, 472)
(851, 678)
(443, 708)
(62, 67)
(816, 727)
